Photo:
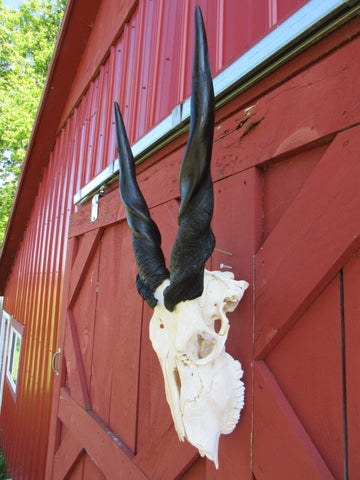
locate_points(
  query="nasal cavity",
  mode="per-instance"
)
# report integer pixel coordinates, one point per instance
(206, 344)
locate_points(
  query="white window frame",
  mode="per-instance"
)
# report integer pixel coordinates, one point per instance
(4, 336)
(13, 360)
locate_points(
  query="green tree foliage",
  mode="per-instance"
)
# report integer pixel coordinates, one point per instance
(3, 468)
(27, 41)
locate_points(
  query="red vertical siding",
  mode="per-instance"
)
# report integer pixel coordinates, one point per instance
(149, 68)
(33, 297)
(36, 280)
(284, 8)
(148, 71)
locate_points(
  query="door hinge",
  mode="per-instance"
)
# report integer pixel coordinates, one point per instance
(95, 207)
(95, 204)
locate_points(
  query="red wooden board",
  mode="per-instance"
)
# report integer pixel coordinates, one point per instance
(352, 359)
(311, 376)
(83, 310)
(317, 233)
(237, 232)
(282, 447)
(282, 182)
(116, 348)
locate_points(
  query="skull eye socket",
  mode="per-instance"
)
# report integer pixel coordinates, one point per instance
(201, 345)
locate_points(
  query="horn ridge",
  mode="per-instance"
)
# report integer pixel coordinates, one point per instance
(195, 240)
(196, 162)
(145, 233)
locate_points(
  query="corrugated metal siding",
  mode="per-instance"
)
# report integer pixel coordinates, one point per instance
(153, 58)
(33, 297)
(149, 72)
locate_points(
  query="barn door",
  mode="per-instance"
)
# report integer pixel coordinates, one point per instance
(300, 357)
(307, 271)
(109, 418)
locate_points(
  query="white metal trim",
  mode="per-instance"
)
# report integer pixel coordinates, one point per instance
(303, 22)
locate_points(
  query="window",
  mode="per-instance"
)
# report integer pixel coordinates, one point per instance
(4, 335)
(14, 353)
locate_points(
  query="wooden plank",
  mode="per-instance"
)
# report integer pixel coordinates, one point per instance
(352, 359)
(282, 447)
(152, 405)
(282, 182)
(117, 335)
(307, 364)
(237, 228)
(74, 365)
(77, 473)
(291, 116)
(91, 471)
(164, 457)
(82, 261)
(84, 311)
(67, 455)
(160, 453)
(111, 456)
(104, 340)
(321, 228)
(197, 471)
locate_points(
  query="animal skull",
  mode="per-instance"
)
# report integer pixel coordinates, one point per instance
(202, 381)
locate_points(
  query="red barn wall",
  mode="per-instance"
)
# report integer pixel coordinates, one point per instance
(148, 83)
(280, 189)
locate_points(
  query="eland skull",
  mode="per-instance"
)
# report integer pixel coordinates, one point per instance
(202, 381)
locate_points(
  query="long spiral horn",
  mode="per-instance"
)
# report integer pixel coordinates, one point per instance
(195, 241)
(146, 236)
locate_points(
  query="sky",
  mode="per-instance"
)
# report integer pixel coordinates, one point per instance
(12, 3)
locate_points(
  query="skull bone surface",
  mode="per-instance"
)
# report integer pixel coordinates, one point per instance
(202, 382)
(189, 327)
